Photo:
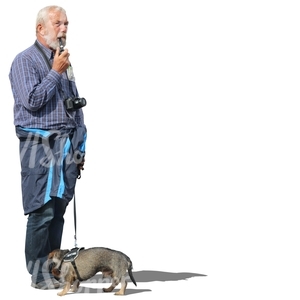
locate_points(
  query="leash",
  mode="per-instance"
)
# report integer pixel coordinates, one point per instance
(79, 173)
(75, 236)
(75, 219)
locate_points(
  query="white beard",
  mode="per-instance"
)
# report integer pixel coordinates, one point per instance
(53, 43)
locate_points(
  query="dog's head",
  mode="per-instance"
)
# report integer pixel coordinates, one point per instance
(55, 259)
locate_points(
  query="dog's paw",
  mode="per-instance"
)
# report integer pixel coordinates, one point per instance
(120, 292)
(62, 293)
(75, 286)
(108, 290)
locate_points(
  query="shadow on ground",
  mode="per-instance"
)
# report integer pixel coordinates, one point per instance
(140, 276)
(149, 276)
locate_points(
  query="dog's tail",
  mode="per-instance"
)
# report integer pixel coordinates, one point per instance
(130, 273)
(129, 268)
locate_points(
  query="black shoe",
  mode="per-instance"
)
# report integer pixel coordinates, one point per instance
(48, 284)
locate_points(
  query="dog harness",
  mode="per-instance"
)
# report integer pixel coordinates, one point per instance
(70, 257)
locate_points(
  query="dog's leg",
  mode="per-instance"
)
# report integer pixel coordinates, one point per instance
(75, 286)
(123, 287)
(115, 282)
(65, 289)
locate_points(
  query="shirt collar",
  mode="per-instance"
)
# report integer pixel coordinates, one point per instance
(49, 53)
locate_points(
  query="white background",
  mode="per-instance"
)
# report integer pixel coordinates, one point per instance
(193, 143)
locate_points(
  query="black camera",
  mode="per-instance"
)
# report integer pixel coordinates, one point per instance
(75, 103)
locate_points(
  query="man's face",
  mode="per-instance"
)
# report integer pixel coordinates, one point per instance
(56, 27)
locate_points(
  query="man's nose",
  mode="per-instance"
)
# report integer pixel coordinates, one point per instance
(63, 28)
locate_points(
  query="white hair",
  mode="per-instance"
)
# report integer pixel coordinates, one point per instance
(43, 14)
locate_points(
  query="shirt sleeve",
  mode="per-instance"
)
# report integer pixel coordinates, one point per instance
(33, 89)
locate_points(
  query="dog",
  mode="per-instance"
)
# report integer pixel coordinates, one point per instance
(86, 264)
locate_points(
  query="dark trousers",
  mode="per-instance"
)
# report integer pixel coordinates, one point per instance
(43, 234)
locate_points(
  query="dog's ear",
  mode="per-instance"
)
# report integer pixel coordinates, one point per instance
(51, 254)
(63, 253)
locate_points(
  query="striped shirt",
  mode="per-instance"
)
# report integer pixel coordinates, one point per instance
(39, 93)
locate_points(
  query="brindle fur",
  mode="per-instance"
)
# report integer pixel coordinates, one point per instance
(110, 263)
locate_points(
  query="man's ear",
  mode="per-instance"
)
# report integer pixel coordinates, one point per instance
(40, 29)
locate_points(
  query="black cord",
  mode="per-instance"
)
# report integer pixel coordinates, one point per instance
(43, 53)
(75, 223)
(79, 173)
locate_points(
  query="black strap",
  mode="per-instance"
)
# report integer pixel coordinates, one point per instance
(43, 53)
(72, 254)
(79, 175)
(75, 223)
(76, 270)
(70, 257)
(75, 220)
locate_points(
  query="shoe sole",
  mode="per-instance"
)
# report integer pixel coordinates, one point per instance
(45, 287)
